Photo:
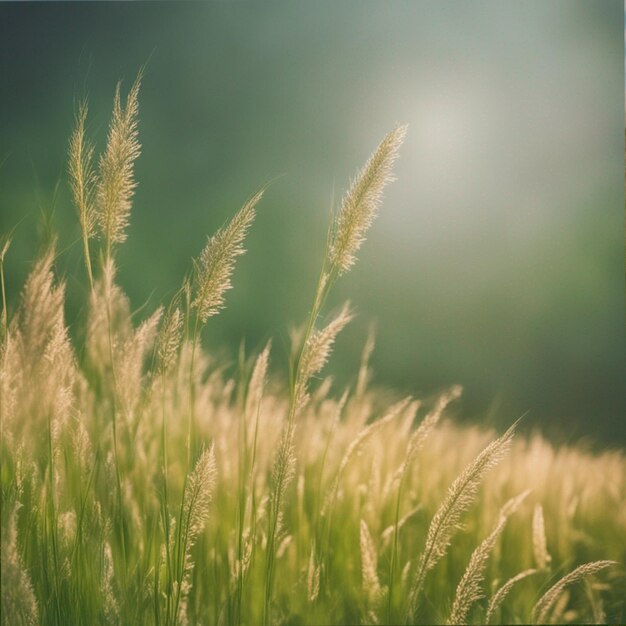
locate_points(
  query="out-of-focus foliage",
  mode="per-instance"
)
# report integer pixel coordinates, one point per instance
(497, 263)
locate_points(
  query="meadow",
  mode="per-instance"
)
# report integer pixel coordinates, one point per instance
(144, 481)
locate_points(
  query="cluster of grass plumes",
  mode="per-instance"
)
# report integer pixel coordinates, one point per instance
(141, 484)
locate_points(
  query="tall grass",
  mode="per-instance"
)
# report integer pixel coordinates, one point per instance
(141, 484)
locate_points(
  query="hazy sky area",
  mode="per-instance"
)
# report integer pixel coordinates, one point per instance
(497, 261)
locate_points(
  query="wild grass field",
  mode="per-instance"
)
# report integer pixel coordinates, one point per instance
(146, 482)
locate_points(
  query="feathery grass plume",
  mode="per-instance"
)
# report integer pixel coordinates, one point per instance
(560, 612)
(460, 496)
(215, 266)
(41, 309)
(317, 351)
(111, 605)
(116, 179)
(130, 362)
(45, 351)
(108, 325)
(498, 598)
(345, 237)
(103, 542)
(364, 434)
(195, 509)
(284, 467)
(361, 202)
(19, 605)
(540, 549)
(198, 496)
(469, 589)
(283, 472)
(313, 577)
(82, 174)
(416, 441)
(83, 181)
(421, 433)
(257, 381)
(82, 449)
(358, 442)
(369, 565)
(169, 339)
(11, 379)
(546, 602)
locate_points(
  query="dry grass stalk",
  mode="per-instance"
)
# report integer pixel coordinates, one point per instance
(498, 598)
(19, 605)
(358, 442)
(361, 202)
(215, 266)
(369, 565)
(169, 339)
(540, 548)
(116, 180)
(89, 548)
(313, 577)
(469, 589)
(194, 512)
(198, 495)
(460, 496)
(130, 362)
(83, 182)
(257, 382)
(421, 433)
(317, 351)
(82, 174)
(284, 467)
(549, 598)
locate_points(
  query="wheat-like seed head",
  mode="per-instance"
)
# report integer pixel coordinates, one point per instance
(540, 547)
(317, 351)
(361, 202)
(497, 599)
(546, 602)
(130, 361)
(469, 588)
(19, 604)
(369, 565)
(116, 180)
(313, 577)
(217, 261)
(82, 174)
(169, 338)
(460, 496)
(111, 607)
(284, 464)
(198, 494)
(427, 425)
(358, 442)
(257, 381)
(41, 310)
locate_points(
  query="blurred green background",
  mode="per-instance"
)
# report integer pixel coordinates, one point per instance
(497, 259)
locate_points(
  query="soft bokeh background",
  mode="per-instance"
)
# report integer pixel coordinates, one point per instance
(498, 257)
